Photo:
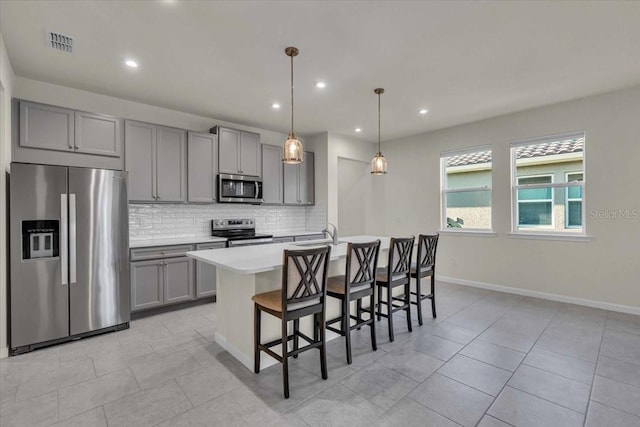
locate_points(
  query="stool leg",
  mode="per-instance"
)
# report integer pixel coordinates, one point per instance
(433, 294)
(323, 347)
(346, 327)
(359, 312)
(390, 313)
(285, 359)
(256, 339)
(419, 299)
(296, 328)
(407, 301)
(372, 324)
(379, 306)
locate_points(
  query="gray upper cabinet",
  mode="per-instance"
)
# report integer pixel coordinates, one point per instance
(97, 134)
(202, 167)
(156, 159)
(140, 154)
(239, 151)
(272, 174)
(46, 127)
(299, 182)
(171, 165)
(61, 129)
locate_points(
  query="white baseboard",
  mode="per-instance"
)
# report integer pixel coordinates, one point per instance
(544, 295)
(4, 352)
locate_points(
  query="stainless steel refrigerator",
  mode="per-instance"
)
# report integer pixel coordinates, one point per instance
(69, 241)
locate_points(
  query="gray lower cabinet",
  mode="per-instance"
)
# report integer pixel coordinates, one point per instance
(284, 239)
(299, 182)
(61, 129)
(147, 284)
(161, 276)
(206, 273)
(202, 167)
(272, 175)
(156, 159)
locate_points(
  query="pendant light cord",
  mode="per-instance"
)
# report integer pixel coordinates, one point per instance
(291, 94)
(379, 151)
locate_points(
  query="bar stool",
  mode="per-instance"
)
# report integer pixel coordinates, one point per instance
(395, 274)
(303, 293)
(425, 266)
(357, 283)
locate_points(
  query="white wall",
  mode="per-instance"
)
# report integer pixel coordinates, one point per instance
(6, 89)
(354, 194)
(605, 269)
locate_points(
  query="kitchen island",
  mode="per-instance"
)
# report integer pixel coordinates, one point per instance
(243, 272)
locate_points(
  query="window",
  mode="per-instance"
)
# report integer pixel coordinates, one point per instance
(573, 197)
(548, 184)
(466, 189)
(535, 205)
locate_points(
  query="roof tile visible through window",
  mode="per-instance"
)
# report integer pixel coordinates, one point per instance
(575, 145)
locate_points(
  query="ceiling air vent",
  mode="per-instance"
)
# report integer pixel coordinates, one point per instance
(59, 42)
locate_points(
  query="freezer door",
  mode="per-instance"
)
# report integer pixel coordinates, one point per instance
(39, 291)
(98, 249)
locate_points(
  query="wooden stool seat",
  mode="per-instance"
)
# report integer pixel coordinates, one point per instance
(336, 285)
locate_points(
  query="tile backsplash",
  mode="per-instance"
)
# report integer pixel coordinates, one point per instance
(160, 221)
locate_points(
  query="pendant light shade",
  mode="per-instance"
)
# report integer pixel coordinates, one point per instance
(379, 163)
(292, 147)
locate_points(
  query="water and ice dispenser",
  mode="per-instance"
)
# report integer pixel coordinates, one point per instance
(40, 239)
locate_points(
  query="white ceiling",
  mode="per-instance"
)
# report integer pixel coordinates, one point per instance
(463, 61)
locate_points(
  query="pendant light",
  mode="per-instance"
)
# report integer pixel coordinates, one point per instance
(292, 148)
(379, 163)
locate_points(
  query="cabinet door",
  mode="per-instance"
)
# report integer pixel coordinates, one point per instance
(250, 154)
(228, 150)
(43, 126)
(202, 167)
(307, 180)
(178, 279)
(140, 154)
(206, 273)
(97, 134)
(271, 174)
(171, 167)
(290, 183)
(147, 284)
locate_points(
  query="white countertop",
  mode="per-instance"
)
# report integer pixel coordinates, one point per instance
(261, 258)
(177, 241)
(292, 233)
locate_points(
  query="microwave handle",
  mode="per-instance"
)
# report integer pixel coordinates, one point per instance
(258, 190)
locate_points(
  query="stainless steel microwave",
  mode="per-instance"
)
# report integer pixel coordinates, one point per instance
(239, 189)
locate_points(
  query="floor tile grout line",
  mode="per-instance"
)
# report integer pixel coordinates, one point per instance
(595, 369)
(554, 373)
(617, 409)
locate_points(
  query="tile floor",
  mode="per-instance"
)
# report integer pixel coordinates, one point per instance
(490, 359)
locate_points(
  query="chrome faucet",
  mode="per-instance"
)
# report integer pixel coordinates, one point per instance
(333, 235)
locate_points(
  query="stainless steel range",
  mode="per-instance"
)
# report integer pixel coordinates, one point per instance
(239, 232)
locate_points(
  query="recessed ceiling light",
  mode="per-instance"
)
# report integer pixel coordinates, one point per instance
(130, 63)
(358, 130)
(423, 111)
(321, 85)
(275, 106)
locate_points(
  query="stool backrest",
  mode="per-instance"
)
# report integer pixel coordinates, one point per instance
(304, 277)
(427, 244)
(400, 252)
(362, 262)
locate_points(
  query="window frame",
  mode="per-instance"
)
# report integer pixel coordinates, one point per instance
(444, 191)
(546, 232)
(531, 187)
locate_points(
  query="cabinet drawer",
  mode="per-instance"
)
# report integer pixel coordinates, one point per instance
(159, 252)
(205, 246)
(309, 237)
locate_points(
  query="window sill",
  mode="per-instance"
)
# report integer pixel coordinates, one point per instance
(549, 236)
(472, 233)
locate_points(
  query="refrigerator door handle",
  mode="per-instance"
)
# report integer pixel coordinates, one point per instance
(64, 237)
(72, 239)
